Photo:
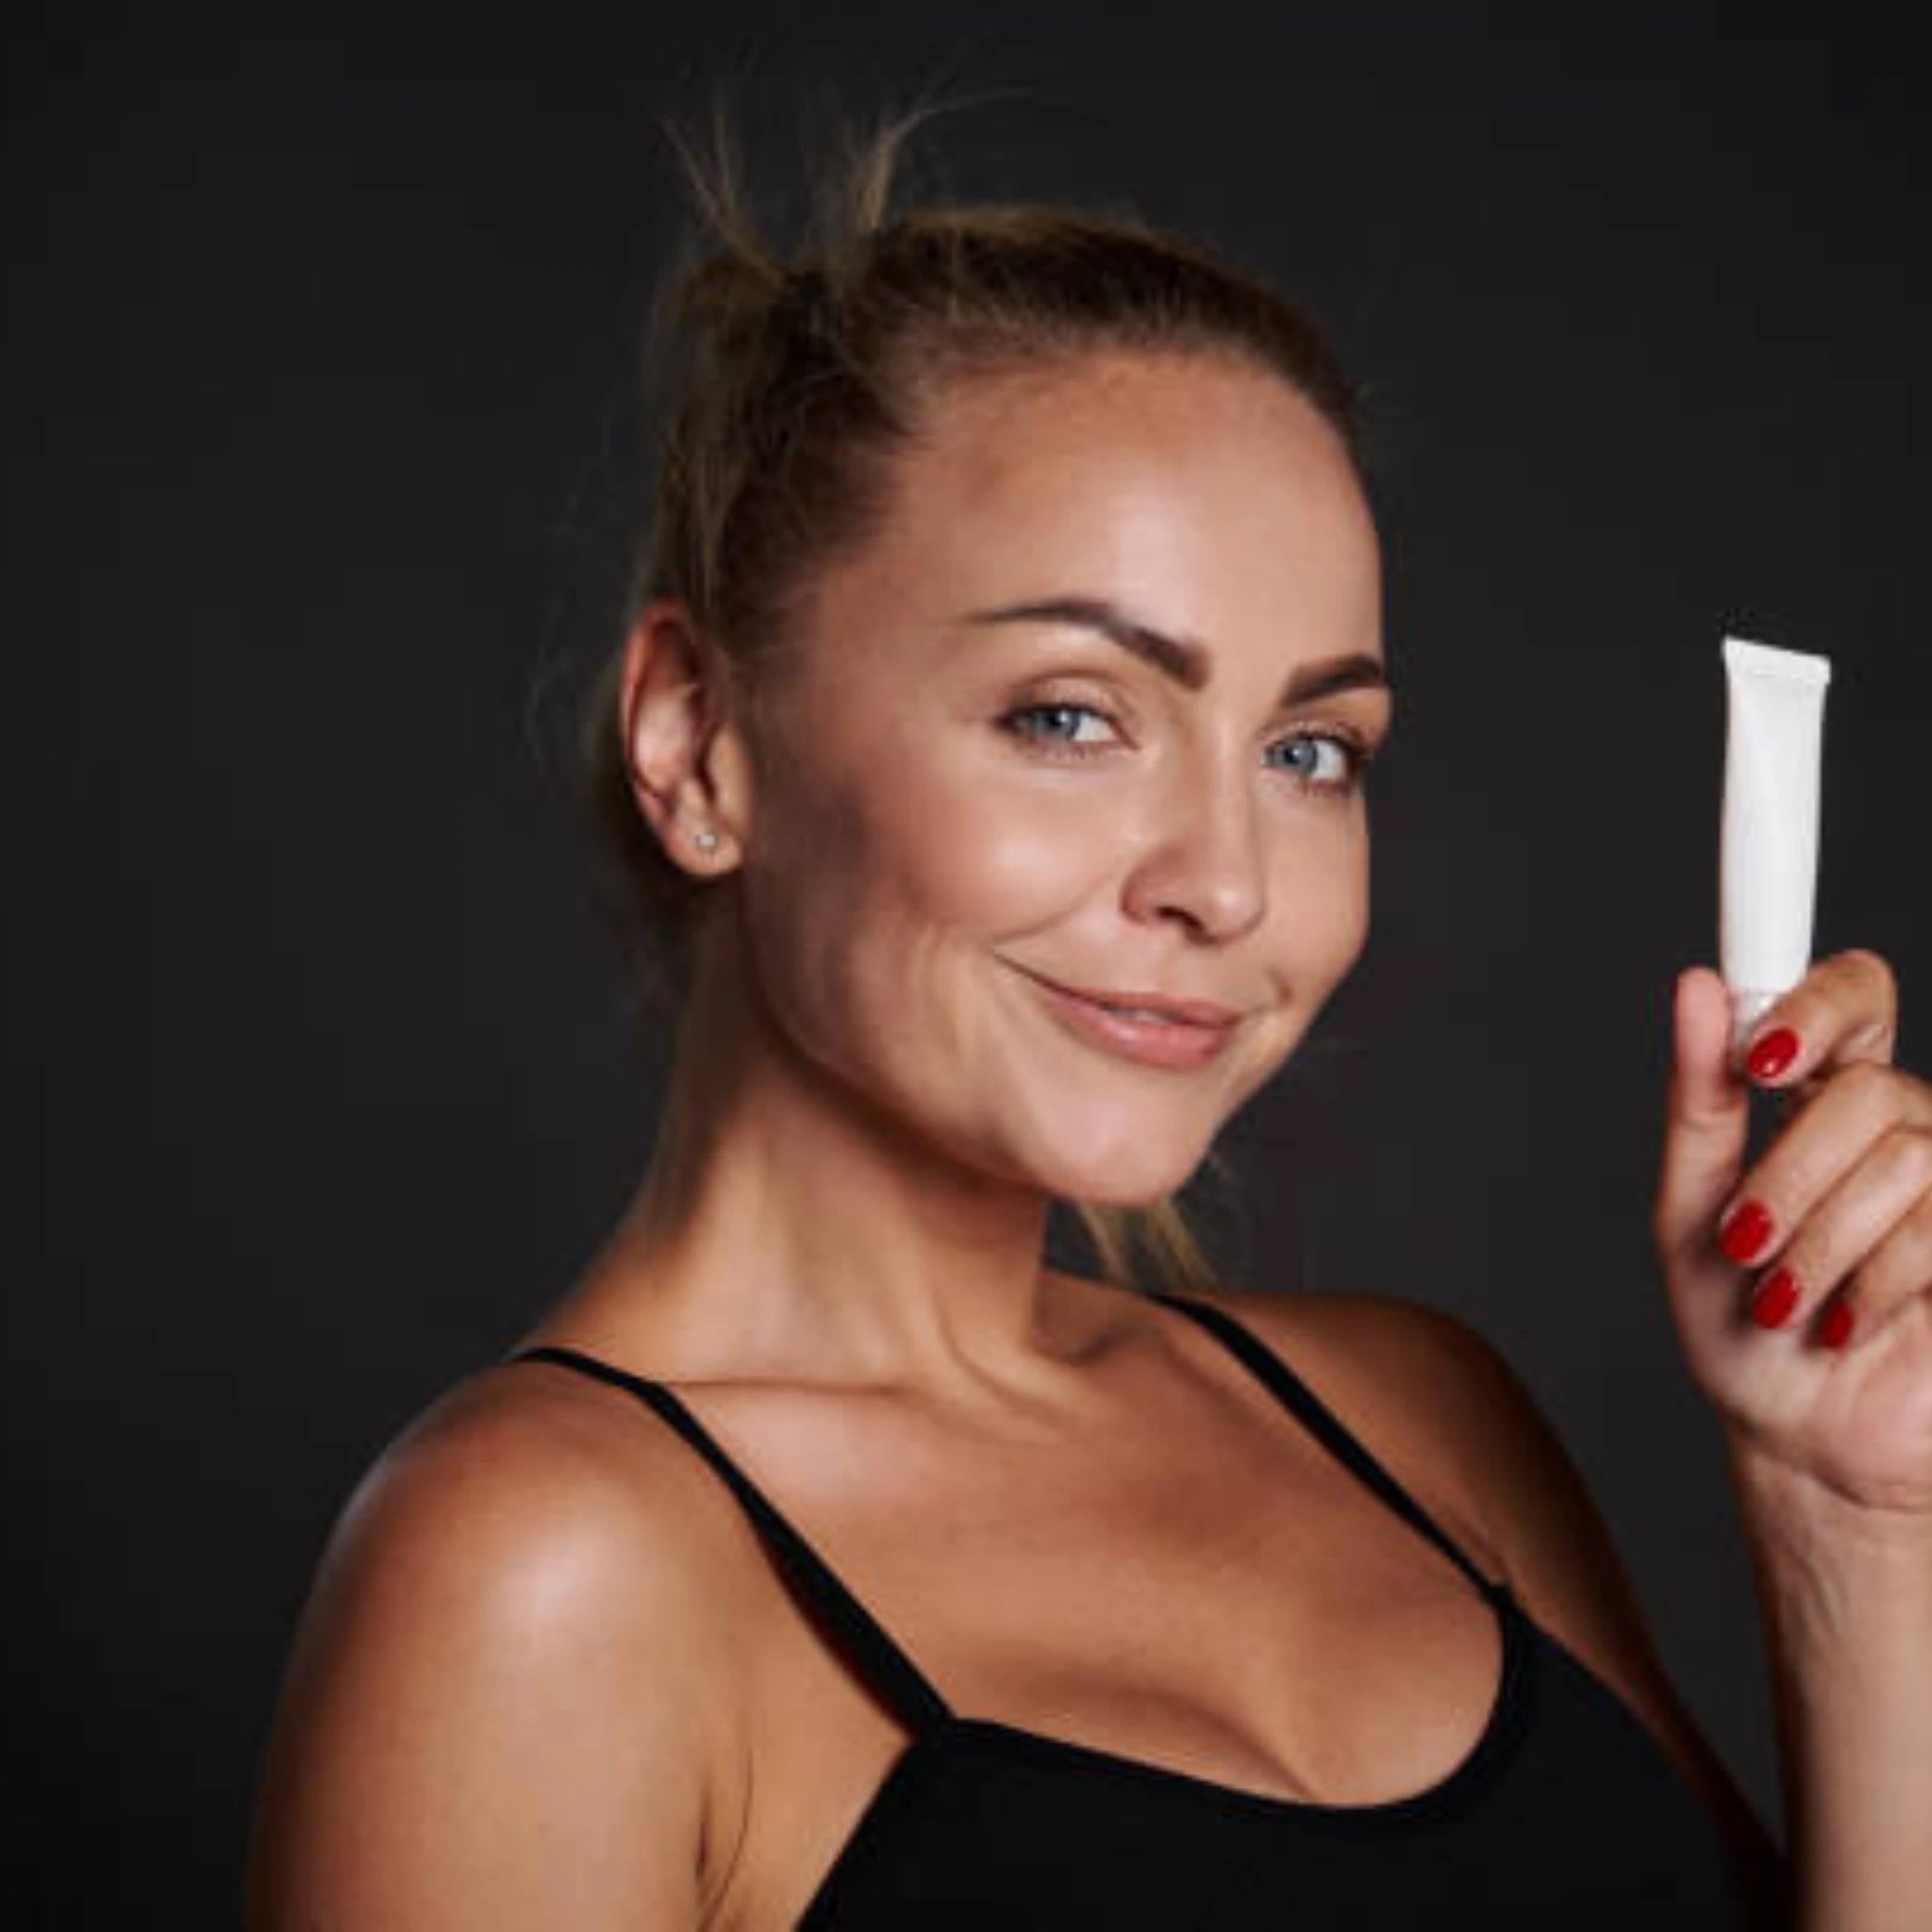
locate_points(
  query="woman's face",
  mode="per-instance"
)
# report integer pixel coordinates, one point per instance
(962, 811)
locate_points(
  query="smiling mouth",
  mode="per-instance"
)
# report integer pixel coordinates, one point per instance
(1147, 1027)
(1194, 1013)
(1157, 1007)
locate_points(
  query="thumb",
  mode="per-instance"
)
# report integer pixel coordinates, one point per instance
(1706, 1116)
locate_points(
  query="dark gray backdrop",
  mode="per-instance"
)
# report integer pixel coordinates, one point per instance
(319, 329)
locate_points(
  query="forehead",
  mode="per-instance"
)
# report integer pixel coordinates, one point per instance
(1210, 497)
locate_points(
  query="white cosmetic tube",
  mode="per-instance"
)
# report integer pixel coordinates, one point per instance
(1768, 864)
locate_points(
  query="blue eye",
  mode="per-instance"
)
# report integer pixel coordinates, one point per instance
(1057, 725)
(1344, 768)
(1322, 762)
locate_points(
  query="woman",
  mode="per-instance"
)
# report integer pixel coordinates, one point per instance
(987, 753)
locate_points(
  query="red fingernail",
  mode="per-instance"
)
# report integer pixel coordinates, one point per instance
(1745, 1232)
(1774, 1298)
(1835, 1325)
(1772, 1054)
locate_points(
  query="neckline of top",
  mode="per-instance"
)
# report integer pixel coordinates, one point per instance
(1481, 1764)
(916, 1699)
(1491, 1742)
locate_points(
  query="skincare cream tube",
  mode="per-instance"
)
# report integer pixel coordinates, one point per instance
(1768, 864)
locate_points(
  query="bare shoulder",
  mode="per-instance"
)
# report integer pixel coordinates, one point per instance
(1427, 1390)
(505, 1701)
(1429, 1393)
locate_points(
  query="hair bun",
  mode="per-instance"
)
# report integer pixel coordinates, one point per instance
(802, 298)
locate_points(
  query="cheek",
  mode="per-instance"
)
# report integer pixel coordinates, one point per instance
(1346, 889)
(960, 850)
(870, 879)
(1318, 918)
(990, 869)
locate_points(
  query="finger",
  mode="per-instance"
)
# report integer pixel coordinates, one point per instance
(1815, 1151)
(1895, 1272)
(1844, 1009)
(1842, 1229)
(1706, 1116)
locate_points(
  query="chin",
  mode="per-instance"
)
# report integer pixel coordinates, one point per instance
(1126, 1172)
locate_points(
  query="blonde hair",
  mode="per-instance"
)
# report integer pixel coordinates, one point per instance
(784, 389)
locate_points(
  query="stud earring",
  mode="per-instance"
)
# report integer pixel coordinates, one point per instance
(705, 840)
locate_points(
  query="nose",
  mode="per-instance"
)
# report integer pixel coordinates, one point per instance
(1202, 861)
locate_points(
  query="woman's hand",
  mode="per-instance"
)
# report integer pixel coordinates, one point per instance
(1802, 1288)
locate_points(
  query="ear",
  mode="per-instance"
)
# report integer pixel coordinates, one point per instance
(689, 771)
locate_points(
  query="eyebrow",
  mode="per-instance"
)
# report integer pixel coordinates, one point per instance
(1181, 658)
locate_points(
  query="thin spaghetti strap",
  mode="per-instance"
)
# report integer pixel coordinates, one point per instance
(904, 1687)
(1326, 1428)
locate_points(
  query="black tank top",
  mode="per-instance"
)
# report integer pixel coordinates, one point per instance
(1565, 1814)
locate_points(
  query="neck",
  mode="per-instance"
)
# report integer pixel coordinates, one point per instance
(790, 1228)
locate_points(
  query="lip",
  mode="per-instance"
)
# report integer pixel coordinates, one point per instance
(1191, 1033)
(1187, 1012)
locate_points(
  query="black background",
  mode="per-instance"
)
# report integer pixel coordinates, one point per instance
(320, 333)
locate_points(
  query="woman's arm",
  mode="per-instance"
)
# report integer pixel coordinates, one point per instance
(1847, 1606)
(495, 1711)
(1799, 1285)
